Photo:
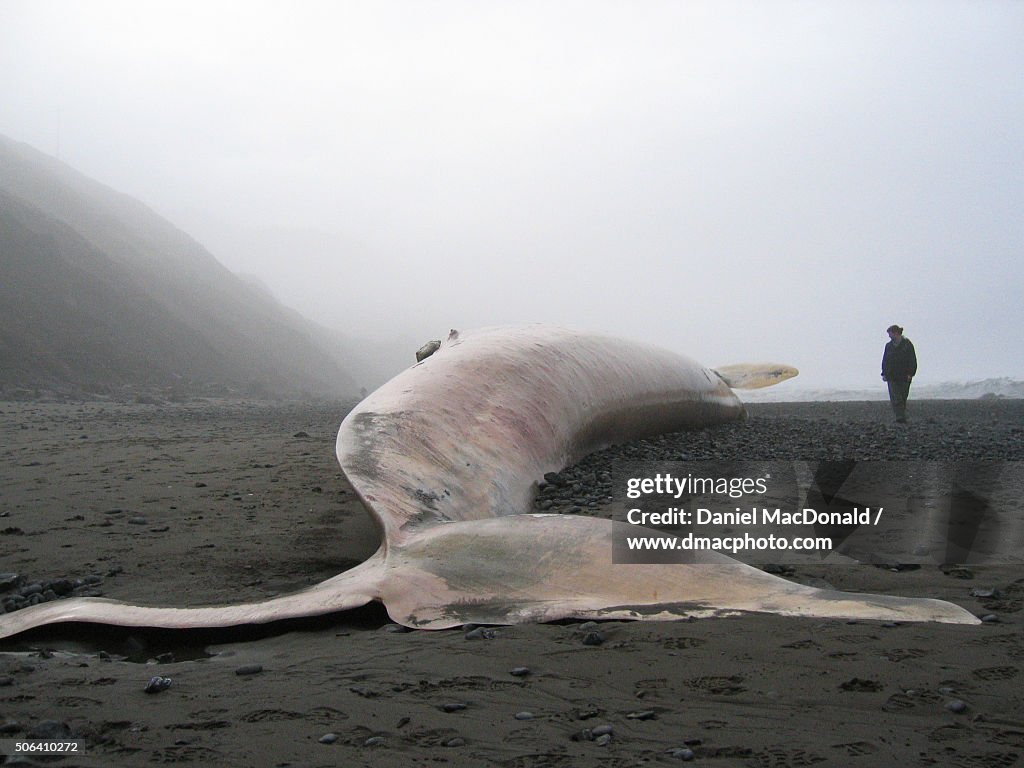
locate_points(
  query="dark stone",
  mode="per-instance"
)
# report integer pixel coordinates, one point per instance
(593, 637)
(554, 478)
(9, 581)
(62, 586)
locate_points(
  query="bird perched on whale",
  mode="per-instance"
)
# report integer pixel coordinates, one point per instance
(447, 457)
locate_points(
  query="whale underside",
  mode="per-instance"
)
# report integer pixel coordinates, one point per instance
(447, 457)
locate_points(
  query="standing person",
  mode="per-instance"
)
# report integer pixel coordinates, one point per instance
(899, 365)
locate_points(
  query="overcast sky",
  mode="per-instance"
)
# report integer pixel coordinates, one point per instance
(735, 181)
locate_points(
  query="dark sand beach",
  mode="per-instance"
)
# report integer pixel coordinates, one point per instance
(213, 502)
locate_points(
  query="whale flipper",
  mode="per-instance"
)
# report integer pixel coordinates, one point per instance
(350, 589)
(755, 375)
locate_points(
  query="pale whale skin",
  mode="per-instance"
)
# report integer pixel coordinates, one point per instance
(447, 457)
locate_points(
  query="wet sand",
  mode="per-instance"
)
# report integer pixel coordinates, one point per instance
(202, 503)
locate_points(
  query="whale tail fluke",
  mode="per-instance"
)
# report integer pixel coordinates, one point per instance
(755, 375)
(522, 568)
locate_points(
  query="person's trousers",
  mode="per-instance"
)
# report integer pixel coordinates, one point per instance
(899, 391)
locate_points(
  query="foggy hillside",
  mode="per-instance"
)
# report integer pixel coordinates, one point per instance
(101, 295)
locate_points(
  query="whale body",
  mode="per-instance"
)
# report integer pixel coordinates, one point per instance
(447, 458)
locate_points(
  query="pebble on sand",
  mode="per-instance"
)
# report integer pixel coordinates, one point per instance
(249, 669)
(9, 581)
(647, 714)
(976, 592)
(157, 684)
(682, 753)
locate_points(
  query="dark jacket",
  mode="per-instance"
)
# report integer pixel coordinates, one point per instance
(899, 361)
